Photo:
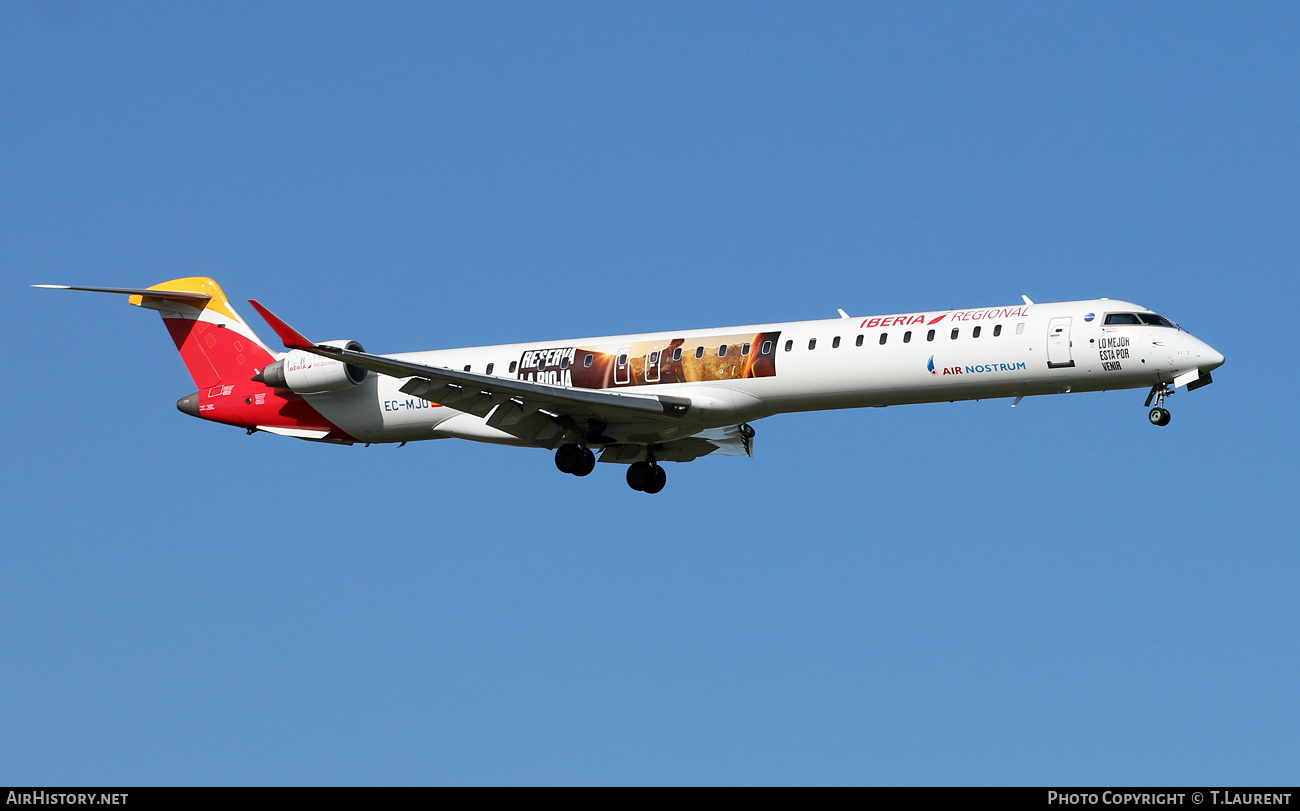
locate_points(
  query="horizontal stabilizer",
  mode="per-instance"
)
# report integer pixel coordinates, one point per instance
(169, 295)
(215, 343)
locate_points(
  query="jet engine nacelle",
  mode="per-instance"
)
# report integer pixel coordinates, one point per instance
(305, 373)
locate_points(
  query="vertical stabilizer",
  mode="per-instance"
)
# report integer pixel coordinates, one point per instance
(215, 343)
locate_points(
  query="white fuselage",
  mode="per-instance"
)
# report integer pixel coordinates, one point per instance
(1019, 350)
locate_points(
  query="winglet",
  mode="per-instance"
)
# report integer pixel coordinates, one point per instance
(291, 337)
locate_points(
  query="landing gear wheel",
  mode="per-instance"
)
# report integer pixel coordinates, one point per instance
(587, 464)
(1160, 416)
(639, 475)
(657, 483)
(568, 458)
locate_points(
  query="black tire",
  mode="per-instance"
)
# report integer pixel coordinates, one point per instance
(586, 464)
(1157, 414)
(568, 457)
(1166, 417)
(657, 483)
(639, 475)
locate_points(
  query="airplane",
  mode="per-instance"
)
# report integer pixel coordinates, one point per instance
(645, 399)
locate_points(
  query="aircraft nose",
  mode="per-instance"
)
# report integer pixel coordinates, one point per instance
(1211, 358)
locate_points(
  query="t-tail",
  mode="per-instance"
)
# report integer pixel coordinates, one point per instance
(225, 358)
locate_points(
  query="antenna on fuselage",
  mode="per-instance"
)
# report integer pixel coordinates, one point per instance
(1026, 298)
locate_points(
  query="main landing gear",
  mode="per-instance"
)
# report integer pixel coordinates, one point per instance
(647, 477)
(575, 459)
(1159, 415)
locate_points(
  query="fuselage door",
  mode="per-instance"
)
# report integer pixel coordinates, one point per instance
(1058, 343)
(622, 367)
(652, 359)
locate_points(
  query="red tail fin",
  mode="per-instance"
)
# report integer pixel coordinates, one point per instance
(215, 343)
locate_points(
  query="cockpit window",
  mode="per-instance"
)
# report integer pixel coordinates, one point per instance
(1150, 319)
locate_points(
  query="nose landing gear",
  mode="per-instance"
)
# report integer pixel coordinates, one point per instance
(1159, 415)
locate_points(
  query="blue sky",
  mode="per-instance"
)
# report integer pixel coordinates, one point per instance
(1055, 594)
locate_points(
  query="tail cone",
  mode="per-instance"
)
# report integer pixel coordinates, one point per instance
(189, 404)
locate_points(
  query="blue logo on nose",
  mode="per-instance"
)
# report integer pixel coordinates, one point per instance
(1089, 317)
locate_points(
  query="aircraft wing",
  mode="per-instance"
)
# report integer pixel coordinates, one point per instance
(520, 401)
(734, 440)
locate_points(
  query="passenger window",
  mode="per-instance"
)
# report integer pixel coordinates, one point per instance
(564, 362)
(744, 349)
(677, 353)
(884, 336)
(929, 336)
(587, 361)
(907, 337)
(767, 348)
(699, 352)
(513, 365)
(997, 330)
(1020, 328)
(812, 343)
(955, 330)
(489, 367)
(722, 351)
(653, 359)
(859, 341)
(541, 362)
(789, 345)
(975, 333)
(835, 344)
